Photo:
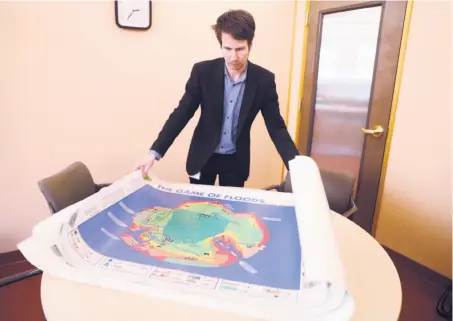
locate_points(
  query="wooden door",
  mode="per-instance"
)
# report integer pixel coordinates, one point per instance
(351, 63)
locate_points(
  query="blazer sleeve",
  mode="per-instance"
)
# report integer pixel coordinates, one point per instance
(181, 115)
(276, 125)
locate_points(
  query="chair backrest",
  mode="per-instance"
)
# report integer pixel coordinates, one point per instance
(69, 186)
(339, 188)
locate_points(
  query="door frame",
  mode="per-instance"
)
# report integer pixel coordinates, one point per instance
(296, 87)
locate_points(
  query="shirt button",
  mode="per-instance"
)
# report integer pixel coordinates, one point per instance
(231, 101)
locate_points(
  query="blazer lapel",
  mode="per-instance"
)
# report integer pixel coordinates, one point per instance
(217, 87)
(247, 100)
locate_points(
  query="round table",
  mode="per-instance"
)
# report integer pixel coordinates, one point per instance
(371, 277)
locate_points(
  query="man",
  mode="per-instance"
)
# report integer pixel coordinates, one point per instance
(231, 91)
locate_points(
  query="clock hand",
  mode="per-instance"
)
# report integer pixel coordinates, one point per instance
(132, 13)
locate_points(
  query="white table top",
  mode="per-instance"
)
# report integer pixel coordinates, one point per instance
(371, 277)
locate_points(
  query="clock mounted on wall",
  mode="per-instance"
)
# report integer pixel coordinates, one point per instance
(133, 14)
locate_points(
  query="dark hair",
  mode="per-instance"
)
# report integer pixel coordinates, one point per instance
(238, 23)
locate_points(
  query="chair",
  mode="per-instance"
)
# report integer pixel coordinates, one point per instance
(339, 188)
(69, 186)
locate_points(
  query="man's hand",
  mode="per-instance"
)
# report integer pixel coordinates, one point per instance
(145, 164)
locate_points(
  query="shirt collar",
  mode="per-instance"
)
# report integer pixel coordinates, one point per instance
(243, 76)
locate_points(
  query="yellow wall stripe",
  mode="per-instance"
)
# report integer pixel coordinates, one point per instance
(304, 49)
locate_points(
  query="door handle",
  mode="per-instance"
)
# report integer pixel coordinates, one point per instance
(377, 131)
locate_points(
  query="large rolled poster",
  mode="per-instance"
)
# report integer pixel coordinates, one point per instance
(259, 253)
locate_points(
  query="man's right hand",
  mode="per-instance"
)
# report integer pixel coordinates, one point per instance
(145, 164)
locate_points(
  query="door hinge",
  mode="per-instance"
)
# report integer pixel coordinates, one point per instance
(307, 17)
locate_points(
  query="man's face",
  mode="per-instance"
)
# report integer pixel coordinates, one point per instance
(235, 52)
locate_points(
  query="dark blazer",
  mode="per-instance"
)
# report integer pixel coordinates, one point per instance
(205, 88)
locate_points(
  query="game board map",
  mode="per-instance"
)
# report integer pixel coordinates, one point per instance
(149, 249)
(176, 276)
(152, 273)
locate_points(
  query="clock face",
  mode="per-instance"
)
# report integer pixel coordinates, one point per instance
(134, 14)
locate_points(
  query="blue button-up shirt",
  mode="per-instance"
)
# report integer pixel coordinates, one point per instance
(232, 100)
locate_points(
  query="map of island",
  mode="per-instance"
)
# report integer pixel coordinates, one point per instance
(223, 239)
(197, 233)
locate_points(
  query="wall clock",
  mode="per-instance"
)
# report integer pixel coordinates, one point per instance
(133, 14)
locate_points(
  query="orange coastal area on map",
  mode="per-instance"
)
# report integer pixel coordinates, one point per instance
(197, 233)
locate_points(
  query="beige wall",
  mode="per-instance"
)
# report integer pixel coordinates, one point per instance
(73, 86)
(416, 210)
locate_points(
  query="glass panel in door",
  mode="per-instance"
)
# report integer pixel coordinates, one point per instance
(347, 52)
